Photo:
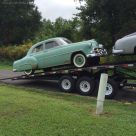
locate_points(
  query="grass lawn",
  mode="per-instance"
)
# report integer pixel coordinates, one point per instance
(5, 65)
(29, 112)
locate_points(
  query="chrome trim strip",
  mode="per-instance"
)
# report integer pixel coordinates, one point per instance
(114, 51)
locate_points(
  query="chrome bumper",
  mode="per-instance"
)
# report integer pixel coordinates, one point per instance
(98, 52)
(115, 51)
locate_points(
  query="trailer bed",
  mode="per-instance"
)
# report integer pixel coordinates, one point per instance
(121, 73)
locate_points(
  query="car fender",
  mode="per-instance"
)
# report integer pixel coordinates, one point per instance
(26, 63)
(126, 44)
(31, 62)
(84, 48)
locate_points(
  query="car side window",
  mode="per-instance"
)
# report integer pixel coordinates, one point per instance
(38, 48)
(51, 44)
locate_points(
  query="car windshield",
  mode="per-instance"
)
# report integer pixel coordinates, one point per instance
(67, 41)
(64, 41)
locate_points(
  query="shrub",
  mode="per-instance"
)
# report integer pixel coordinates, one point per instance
(117, 59)
(14, 52)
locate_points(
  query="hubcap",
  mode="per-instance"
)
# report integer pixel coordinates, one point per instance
(109, 89)
(85, 86)
(79, 60)
(66, 84)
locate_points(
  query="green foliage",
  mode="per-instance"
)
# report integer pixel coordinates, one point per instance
(46, 31)
(14, 52)
(66, 28)
(60, 28)
(117, 59)
(5, 64)
(108, 20)
(19, 20)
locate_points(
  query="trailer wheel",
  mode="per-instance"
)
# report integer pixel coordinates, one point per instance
(85, 85)
(111, 89)
(67, 84)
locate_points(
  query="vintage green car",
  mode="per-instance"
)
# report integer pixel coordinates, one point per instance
(57, 52)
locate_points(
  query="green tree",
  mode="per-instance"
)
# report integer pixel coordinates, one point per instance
(66, 28)
(108, 20)
(19, 20)
(46, 31)
(60, 28)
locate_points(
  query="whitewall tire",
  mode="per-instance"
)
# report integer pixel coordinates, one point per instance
(29, 72)
(79, 60)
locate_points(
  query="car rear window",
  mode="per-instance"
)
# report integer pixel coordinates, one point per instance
(38, 48)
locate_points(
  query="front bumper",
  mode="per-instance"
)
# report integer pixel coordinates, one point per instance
(98, 53)
(115, 51)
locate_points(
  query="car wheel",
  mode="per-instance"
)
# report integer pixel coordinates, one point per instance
(79, 60)
(67, 84)
(85, 85)
(29, 72)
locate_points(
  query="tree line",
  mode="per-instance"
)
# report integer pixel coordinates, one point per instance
(19, 20)
(104, 20)
(59, 28)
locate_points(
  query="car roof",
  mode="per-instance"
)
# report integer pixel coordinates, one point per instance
(51, 39)
(133, 34)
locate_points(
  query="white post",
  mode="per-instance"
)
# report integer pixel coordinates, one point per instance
(101, 93)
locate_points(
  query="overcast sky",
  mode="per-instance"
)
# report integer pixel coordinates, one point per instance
(52, 9)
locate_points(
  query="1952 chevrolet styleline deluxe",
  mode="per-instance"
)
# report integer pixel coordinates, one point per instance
(56, 52)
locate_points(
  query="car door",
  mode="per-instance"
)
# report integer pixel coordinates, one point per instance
(52, 54)
(37, 53)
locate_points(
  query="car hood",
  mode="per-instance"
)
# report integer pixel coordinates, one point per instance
(89, 42)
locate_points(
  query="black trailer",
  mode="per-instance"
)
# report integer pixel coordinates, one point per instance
(86, 80)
